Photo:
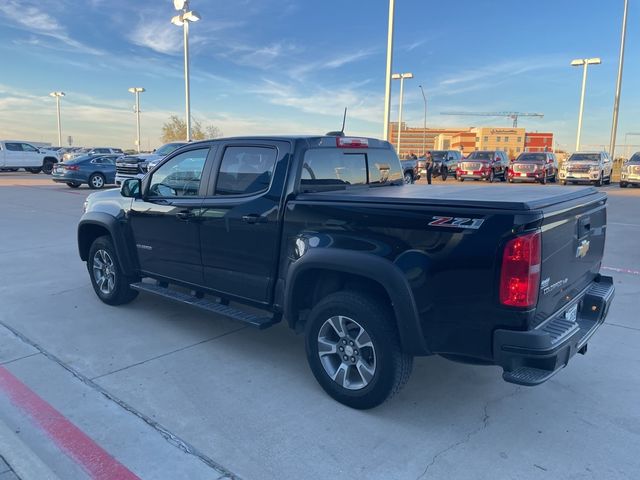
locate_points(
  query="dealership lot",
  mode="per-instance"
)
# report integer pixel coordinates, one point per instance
(170, 392)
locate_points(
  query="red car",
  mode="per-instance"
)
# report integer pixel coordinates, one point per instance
(534, 167)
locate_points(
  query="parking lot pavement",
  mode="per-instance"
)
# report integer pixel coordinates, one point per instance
(169, 392)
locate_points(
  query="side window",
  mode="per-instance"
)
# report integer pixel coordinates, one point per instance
(28, 148)
(14, 147)
(245, 170)
(180, 176)
(98, 161)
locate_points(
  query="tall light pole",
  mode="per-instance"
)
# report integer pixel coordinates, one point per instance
(137, 91)
(401, 77)
(616, 102)
(424, 124)
(57, 96)
(387, 81)
(583, 62)
(186, 16)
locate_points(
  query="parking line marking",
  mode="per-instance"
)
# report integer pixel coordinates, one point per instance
(622, 270)
(96, 461)
(625, 224)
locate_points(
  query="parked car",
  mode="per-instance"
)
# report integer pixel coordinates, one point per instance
(16, 154)
(137, 166)
(93, 152)
(587, 167)
(484, 165)
(445, 162)
(534, 167)
(95, 171)
(410, 170)
(630, 174)
(320, 231)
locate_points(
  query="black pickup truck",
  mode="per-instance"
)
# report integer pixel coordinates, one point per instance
(322, 231)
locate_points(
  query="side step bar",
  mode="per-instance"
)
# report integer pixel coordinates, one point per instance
(208, 305)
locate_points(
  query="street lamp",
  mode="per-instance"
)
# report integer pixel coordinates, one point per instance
(616, 101)
(401, 77)
(57, 96)
(583, 62)
(424, 126)
(137, 91)
(186, 16)
(387, 81)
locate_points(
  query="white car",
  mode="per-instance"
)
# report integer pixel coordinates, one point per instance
(587, 167)
(16, 154)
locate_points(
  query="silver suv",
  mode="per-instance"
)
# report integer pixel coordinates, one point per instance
(587, 167)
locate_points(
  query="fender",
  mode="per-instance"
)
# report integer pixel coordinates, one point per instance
(374, 268)
(128, 262)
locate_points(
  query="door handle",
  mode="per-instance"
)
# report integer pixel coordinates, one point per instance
(253, 218)
(185, 215)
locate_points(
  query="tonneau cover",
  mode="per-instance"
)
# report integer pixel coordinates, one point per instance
(500, 197)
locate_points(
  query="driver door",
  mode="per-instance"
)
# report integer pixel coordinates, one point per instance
(166, 222)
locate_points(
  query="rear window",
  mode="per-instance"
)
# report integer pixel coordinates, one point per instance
(339, 167)
(584, 157)
(532, 157)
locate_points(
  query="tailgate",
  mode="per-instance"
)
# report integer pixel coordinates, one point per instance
(573, 241)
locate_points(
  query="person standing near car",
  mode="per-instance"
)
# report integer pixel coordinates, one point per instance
(429, 166)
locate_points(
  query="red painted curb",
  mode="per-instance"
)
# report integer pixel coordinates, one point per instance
(96, 461)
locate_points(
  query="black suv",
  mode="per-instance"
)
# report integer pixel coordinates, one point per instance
(445, 162)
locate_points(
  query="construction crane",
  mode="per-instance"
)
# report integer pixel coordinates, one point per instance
(512, 115)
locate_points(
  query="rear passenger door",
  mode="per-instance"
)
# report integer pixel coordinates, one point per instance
(14, 155)
(240, 227)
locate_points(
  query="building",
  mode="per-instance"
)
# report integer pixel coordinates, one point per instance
(538, 142)
(514, 141)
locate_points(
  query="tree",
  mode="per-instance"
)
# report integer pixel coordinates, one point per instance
(175, 130)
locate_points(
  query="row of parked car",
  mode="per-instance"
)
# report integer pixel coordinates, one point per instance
(491, 165)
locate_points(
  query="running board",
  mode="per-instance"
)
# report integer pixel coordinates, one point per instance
(208, 305)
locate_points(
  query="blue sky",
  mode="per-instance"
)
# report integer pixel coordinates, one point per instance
(284, 66)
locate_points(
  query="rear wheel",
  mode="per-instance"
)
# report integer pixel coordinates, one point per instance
(33, 170)
(108, 281)
(408, 178)
(354, 351)
(96, 181)
(73, 184)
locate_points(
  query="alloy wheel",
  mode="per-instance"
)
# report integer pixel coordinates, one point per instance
(104, 271)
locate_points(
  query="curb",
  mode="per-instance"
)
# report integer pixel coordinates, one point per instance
(25, 464)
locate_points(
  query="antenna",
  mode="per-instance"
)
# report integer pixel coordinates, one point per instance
(341, 132)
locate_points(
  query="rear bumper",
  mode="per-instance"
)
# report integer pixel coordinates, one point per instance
(532, 357)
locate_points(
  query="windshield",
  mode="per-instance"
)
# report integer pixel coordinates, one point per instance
(168, 148)
(532, 157)
(635, 159)
(584, 157)
(438, 156)
(482, 156)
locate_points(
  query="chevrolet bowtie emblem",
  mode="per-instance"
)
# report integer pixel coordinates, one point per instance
(582, 249)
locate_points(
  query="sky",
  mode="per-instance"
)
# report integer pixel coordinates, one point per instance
(290, 67)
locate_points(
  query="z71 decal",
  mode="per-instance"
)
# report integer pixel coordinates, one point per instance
(456, 222)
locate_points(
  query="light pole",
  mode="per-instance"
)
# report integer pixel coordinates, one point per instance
(186, 16)
(401, 77)
(616, 102)
(387, 81)
(424, 124)
(583, 62)
(137, 91)
(57, 96)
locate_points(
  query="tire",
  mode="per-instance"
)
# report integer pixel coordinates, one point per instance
(461, 179)
(445, 174)
(96, 181)
(33, 170)
(599, 182)
(73, 184)
(608, 182)
(623, 184)
(563, 182)
(492, 176)
(47, 167)
(102, 263)
(408, 178)
(386, 368)
(543, 180)
(511, 180)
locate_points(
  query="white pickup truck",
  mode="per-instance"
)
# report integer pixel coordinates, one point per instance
(16, 154)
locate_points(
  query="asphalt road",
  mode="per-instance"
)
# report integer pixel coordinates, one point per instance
(156, 390)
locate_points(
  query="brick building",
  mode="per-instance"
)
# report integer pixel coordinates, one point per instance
(538, 142)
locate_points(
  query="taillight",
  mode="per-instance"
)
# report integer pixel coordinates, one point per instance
(72, 167)
(520, 275)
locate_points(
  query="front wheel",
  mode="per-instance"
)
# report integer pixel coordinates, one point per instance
(445, 174)
(460, 179)
(108, 281)
(408, 178)
(492, 176)
(599, 182)
(354, 351)
(47, 167)
(623, 184)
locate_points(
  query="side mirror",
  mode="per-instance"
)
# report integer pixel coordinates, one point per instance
(131, 188)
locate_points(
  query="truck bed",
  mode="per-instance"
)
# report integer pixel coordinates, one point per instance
(498, 197)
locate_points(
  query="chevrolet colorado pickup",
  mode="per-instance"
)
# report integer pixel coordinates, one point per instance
(322, 232)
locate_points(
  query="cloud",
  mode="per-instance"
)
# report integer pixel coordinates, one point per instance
(28, 17)
(302, 69)
(159, 36)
